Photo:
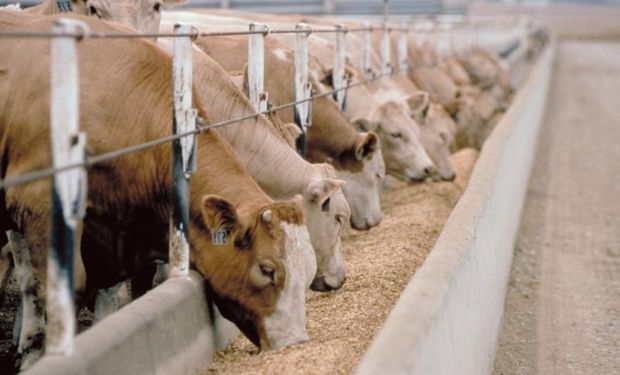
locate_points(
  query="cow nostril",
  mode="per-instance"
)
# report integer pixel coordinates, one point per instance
(451, 177)
(428, 171)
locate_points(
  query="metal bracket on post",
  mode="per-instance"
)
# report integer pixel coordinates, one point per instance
(403, 51)
(303, 88)
(386, 52)
(69, 188)
(183, 152)
(339, 76)
(367, 51)
(256, 67)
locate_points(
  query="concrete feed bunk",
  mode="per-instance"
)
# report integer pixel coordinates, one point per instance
(448, 318)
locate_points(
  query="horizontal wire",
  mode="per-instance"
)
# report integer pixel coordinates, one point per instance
(92, 160)
(194, 35)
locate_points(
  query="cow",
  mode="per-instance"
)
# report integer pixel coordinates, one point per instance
(259, 271)
(140, 15)
(265, 148)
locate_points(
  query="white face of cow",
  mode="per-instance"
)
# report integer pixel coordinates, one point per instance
(404, 156)
(437, 136)
(362, 190)
(437, 132)
(326, 212)
(140, 15)
(287, 324)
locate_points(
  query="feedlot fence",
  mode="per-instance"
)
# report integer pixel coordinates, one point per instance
(68, 145)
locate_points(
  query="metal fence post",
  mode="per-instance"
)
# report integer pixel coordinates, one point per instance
(69, 189)
(339, 74)
(366, 51)
(403, 53)
(183, 153)
(303, 88)
(256, 67)
(386, 52)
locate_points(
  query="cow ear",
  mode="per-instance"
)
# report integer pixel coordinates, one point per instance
(220, 218)
(366, 145)
(319, 191)
(418, 103)
(328, 78)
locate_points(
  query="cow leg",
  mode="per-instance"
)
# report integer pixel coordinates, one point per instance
(111, 299)
(32, 332)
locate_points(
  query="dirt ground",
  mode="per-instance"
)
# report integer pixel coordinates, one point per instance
(379, 264)
(562, 315)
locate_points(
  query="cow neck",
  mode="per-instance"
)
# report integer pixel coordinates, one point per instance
(330, 132)
(277, 168)
(220, 172)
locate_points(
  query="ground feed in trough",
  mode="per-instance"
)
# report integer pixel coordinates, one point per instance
(379, 264)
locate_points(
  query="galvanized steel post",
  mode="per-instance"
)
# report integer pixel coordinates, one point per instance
(69, 188)
(367, 51)
(303, 88)
(403, 52)
(339, 76)
(183, 153)
(256, 67)
(386, 52)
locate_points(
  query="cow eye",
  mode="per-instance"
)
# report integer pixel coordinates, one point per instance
(157, 7)
(396, 135)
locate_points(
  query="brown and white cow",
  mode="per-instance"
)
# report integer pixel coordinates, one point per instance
(258, 277)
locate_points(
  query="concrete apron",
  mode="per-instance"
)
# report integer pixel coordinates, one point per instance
(170, 330)
(448, 319)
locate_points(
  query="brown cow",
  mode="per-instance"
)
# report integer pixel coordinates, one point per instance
(258, 277)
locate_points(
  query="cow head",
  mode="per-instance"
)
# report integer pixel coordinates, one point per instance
(437, 131)
(326, 212)
(258, 266)
(363, 180)
(403, 154)
(140, 15)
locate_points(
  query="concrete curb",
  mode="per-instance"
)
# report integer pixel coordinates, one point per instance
(447, 321)
(170, 330)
